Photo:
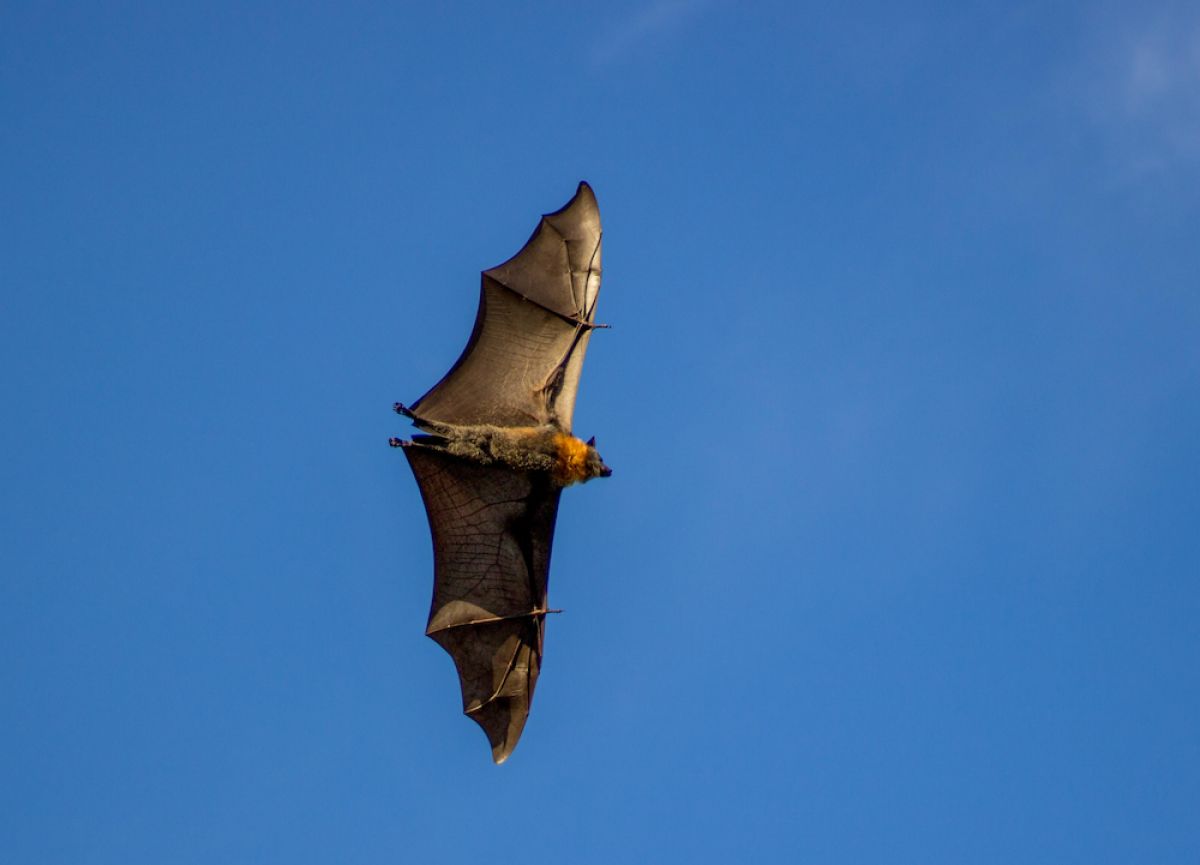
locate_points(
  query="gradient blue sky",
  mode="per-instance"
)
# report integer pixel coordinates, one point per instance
(900, 559)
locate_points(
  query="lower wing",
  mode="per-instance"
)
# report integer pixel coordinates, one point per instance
(492, 532)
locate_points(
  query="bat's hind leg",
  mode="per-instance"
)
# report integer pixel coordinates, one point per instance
(436, 442)
(465, 447)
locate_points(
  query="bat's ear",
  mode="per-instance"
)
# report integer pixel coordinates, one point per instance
(591, 442)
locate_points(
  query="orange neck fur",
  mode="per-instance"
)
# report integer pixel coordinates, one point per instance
(570, 464)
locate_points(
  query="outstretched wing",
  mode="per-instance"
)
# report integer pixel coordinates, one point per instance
(492, 531)
(536, 311)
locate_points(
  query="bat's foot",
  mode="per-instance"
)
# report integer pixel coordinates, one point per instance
(396, 443)
(402, 409)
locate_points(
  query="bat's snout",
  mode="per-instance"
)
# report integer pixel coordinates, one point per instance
(605, 471)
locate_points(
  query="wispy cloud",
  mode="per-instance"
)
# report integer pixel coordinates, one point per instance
(1143, 86)
(652, 22)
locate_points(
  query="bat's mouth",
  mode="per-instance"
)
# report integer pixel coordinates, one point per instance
(605, 472)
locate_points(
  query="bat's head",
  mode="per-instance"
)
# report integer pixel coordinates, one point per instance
(595, 466)
(576, 462)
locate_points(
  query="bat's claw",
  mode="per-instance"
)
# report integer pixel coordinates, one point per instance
(401, 408)
(396, 443)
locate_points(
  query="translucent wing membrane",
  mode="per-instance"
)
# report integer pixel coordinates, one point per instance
(492, 530)
(522, 363)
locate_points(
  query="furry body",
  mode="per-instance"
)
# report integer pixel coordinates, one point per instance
(545, 448)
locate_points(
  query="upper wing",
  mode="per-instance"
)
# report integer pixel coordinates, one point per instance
(492, 531)
(536, 311)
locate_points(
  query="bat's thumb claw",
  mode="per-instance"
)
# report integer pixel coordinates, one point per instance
(395, 442)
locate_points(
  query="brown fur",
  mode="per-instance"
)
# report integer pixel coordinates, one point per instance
(540, 449)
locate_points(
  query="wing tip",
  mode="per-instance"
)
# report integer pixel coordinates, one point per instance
(584, 199)
(581, 203)
(502, 722)
(585, 189)
(578, 219)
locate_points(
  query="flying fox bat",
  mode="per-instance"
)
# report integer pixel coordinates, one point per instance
(495, 453)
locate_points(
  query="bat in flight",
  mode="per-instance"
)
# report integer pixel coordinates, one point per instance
(493, 457)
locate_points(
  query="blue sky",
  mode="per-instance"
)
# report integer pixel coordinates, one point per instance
(899, 560)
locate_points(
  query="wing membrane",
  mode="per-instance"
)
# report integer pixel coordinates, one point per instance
(492, 530)
(522, 363)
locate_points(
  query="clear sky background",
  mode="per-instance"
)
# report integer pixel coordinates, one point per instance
(900, 561)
